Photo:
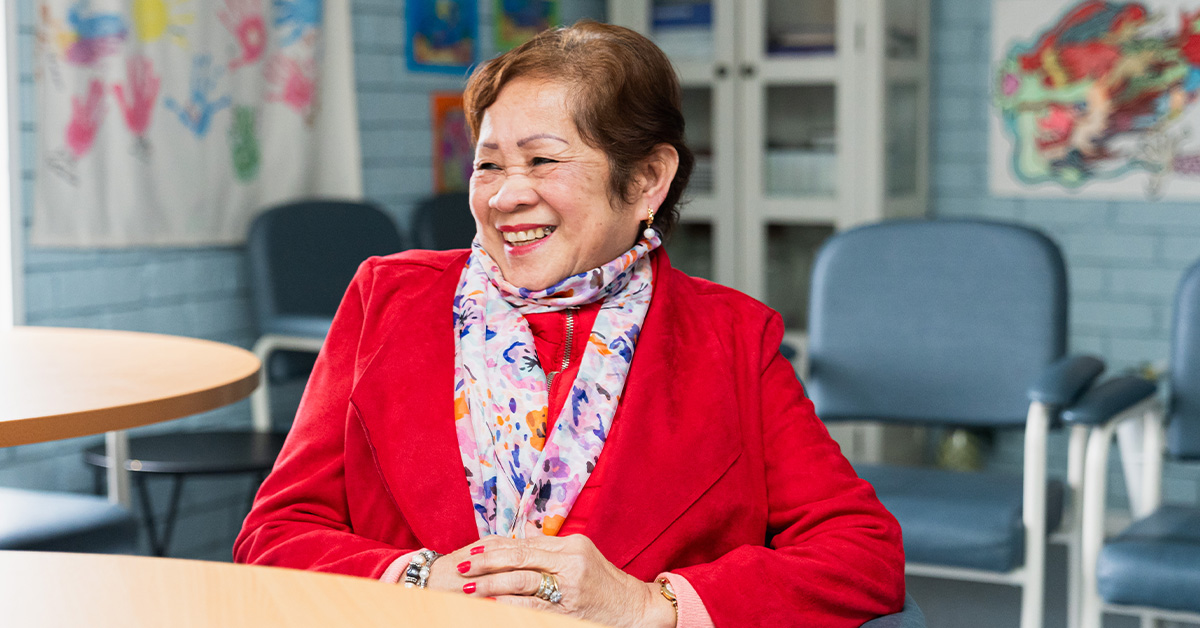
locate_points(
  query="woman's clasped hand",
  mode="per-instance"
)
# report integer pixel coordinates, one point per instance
(511, 572)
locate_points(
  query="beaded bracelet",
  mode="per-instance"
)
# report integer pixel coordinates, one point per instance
(417, 573)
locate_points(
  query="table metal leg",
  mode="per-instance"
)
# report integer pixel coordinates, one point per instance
(158, 545)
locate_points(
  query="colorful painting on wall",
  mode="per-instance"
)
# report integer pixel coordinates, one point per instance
(453, 154)
(517, 21)
(1096, 99)
(172, 122)
(443, 35)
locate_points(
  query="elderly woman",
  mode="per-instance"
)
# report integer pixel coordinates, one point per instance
(558, 419)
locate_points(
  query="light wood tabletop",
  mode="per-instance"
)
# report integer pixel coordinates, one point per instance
(42, 589)
(61, 383)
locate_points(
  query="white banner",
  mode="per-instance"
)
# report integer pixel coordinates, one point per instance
(172, 122)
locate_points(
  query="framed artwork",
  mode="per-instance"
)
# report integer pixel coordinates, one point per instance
(453, 154)
(1095, 99)
(443, 35)
(517, 21)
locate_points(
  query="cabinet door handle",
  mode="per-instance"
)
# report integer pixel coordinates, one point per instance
(747, 70)
(720, 70)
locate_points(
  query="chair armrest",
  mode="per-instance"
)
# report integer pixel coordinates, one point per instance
(1063, 381)
(1109, 400)
(910, 617)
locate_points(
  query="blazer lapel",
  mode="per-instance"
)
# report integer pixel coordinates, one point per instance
(674, 435)
(404, 401)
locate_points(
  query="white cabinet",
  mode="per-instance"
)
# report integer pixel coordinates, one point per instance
(806, 116)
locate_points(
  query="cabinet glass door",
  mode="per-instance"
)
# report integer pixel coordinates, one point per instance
(691, 249)
(791, 250)
(904, 33)
(901, 117)
(683, 29)
(800, 28)
(799, 141)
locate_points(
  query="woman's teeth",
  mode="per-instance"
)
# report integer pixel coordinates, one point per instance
(519, 238)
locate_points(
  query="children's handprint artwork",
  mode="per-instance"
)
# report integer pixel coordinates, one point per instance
(197, 114)
(86, 116)
(91, 36)
(293, 83)
(160, 117)
(138, 105)
(243, 140)
(154, 18)
(297, 18)
(244, 20)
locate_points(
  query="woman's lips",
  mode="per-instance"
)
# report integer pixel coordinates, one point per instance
(526, 247)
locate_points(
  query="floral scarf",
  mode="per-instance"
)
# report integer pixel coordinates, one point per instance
(517, 472)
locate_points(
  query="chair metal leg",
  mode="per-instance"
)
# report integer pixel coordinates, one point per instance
(1033, 589)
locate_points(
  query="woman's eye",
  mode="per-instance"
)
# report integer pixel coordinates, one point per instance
(487, 165)
(539, 161)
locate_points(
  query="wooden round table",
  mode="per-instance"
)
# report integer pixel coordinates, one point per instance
(61, 383)
(99, 591)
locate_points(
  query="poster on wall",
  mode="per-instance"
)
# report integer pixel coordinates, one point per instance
(174, 123)
(517, 21)
(443, 35)
(453, 153)
(1095, 99)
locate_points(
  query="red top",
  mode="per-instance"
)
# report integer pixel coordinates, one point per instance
(549, 335)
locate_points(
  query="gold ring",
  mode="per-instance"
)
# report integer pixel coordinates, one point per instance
(548, 589)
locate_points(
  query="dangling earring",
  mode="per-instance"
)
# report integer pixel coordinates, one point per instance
(649, 232)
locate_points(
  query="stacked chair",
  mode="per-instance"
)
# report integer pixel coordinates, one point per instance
(302, 257)
(955, 324)
(1152, 568)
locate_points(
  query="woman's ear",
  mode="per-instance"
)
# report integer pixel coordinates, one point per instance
(655, 175)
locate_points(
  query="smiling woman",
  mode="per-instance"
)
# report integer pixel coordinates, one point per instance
(589, 431)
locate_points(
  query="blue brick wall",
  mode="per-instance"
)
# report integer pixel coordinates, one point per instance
(203, 292)
(1124, 258)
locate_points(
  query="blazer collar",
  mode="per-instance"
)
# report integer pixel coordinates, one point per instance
(657, 438)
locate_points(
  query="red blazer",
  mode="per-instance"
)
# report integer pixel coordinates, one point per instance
(717, 467)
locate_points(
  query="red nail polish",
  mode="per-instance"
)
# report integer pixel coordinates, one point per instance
(464, 566)
(469, 588)
(477, 550)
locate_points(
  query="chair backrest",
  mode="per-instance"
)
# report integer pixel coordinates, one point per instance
(938, 321)
(1183, 429)
(443, 222)
(303, 255)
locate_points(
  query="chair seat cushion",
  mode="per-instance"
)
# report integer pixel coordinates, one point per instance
(1155, 562)
(953, 519)
(64, 522)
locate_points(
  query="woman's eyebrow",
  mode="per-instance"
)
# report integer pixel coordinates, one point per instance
(540, 136)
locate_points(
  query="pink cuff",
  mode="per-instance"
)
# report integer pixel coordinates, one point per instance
(692, 613)
(392, 574)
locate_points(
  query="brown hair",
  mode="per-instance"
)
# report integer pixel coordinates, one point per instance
(626, 98)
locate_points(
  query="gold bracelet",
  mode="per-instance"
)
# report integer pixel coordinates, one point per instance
(664, 587)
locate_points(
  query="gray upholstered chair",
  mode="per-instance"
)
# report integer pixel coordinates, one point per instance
(910, 617)
(302, 257)
(443, 222)
(953, 323)
(1152, 568)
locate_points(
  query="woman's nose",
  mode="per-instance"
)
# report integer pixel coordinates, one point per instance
(515, 193)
